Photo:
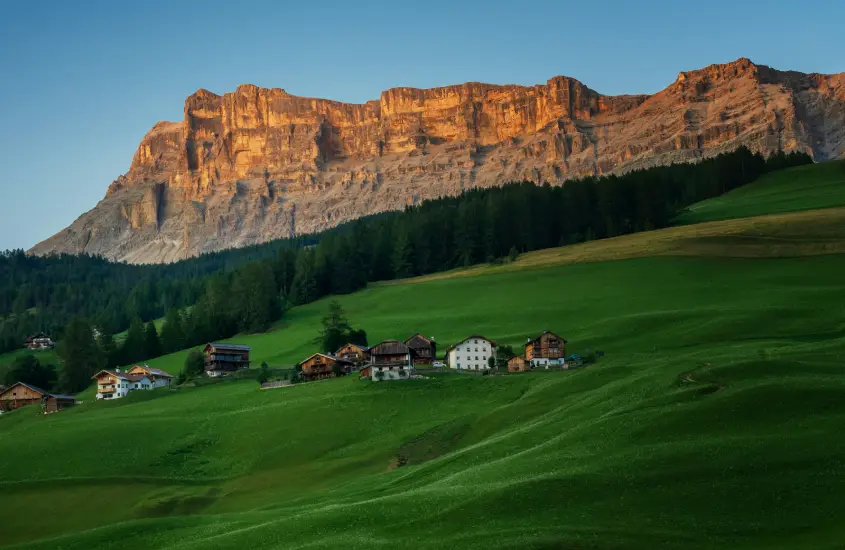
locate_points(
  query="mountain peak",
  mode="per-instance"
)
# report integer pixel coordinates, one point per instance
(231, 172)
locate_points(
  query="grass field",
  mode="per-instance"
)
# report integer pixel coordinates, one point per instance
(713, 419)
(802, 188)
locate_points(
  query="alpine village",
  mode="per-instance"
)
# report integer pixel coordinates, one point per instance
(389, 360)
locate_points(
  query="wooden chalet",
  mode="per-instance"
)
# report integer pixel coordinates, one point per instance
(221, 359)
(390, 360)
(39, 341)
(22, 394)
(425, 349)
(546, 349)
(158, 377)
(321, 365)
(518, 364)
(355, 353)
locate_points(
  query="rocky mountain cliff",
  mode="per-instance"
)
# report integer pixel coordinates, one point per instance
(240, 167)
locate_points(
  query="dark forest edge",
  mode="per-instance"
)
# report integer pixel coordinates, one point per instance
(218, 295)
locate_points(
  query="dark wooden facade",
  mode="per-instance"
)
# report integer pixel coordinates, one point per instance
(354, 353)
(425, 349)
(518, 364)
(226, 357)
(55, 403)
(391, 353)
(546, 346)
(320, 366)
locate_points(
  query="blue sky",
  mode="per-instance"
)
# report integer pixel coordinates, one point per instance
(84, 81)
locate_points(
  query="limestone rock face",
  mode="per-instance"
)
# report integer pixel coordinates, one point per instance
(234, 169)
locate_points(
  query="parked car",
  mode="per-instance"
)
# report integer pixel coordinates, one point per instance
(438, 364)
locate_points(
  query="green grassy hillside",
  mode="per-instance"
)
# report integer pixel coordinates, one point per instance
(712, 420)
(802, 188)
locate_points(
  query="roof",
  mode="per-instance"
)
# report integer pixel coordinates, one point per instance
(38, 390)
(121, 375)
(362, 348)
(480, 337)
(155, 372)
(418, 335)
(24, 384)
(327, 356)
(532, 340)
(390, 347)
(235, 347)
(521, 358)
(61, 396)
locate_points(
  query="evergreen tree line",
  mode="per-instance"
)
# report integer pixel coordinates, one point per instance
(218, 295)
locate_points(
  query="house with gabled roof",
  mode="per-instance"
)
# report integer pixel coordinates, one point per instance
(518, 364)
(547, 349)
(471, 353)
(425, 349)
(158, 377)
(390, 360)
(322, 365)
(114, 384)
(354, 352)
(21, 394)
(39, 341)
(221, 359)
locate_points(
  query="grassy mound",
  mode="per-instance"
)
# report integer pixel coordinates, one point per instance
(803, 188)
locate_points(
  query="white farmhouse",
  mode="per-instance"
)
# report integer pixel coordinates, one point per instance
(472, 353)
(116, 384)
(390, 360)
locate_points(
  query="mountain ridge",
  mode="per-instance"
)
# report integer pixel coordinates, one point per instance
(242, 166)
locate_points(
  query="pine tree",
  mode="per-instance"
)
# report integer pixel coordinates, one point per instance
(173, 332)
(109, 349)
(304, 285)
(254, 291)
(402, 255)
(133, 348)
(335, 331)
(152, 344)
(80, 356)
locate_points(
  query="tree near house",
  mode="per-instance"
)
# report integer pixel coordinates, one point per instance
(152, 343)
(503, 355)
(172, 332)
(296, 374)
(264, 373)
(335, 328)
(194, 364)
(80, 355)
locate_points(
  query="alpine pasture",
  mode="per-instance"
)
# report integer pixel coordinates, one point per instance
(712, 419)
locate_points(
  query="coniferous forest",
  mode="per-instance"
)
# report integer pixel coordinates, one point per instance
(218, 295)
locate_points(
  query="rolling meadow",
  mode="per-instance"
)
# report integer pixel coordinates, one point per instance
(712, 419)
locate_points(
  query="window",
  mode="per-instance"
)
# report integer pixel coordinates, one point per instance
(476, 341)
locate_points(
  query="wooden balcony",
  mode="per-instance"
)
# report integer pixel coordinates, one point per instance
(106, 389)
